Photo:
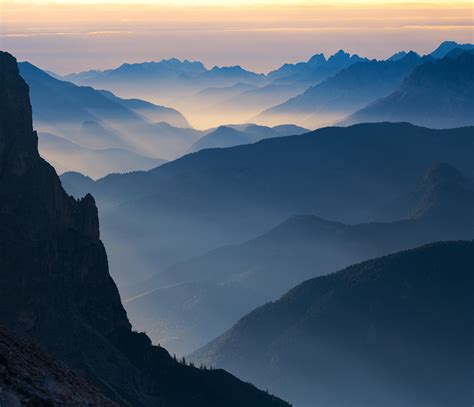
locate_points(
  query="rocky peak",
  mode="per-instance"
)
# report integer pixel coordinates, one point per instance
(55, 285)
(18, 141)
(317, 59)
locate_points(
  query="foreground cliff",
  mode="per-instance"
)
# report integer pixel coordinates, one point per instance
(55, 285)
(31, 377)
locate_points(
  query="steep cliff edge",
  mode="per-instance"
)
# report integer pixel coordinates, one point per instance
(55, 285)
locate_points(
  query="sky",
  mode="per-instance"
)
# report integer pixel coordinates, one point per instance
(70, 36)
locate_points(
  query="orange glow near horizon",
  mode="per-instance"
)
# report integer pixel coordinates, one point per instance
(82, 34)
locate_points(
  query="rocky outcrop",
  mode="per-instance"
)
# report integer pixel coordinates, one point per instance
(29, 376)
(56, 288)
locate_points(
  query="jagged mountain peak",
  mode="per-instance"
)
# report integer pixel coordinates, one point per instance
(18, 141)
(342, 57)
(317, 59)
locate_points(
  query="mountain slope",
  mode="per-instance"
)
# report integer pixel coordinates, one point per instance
(150, 111)
(348, 90)
(395, 331)
(438, 94)
(447, 46)
(55, 285)
(232, 280)
(99, 120)
(67, 156)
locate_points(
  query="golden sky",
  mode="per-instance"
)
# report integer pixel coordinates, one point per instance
(67, 36)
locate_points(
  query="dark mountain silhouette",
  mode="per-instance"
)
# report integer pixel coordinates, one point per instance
(395, 331)
(243, 276)
(348, 90)
(447, 46)
(55, 285)
(228, 136)
(437, 94)
(217, 197)
(32, 377)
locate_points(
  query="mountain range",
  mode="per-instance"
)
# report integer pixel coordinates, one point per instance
(218, 197)
(353, 88)
(392, 331)
(437, 94)
(294, 93)
(189, 304)
(343, 93)
(204, 228)
(55, 285)
(98, 120)
(238, 94)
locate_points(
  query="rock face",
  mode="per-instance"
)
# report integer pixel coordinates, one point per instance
(55, 285)
(29, 376)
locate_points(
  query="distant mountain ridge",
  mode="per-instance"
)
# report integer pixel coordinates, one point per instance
(438, 94)
(229, 136)
(316, 69)
(241, 95)
(346, 91)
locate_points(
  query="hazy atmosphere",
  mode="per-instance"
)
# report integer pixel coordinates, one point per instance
(70, 36)
(236, 204)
